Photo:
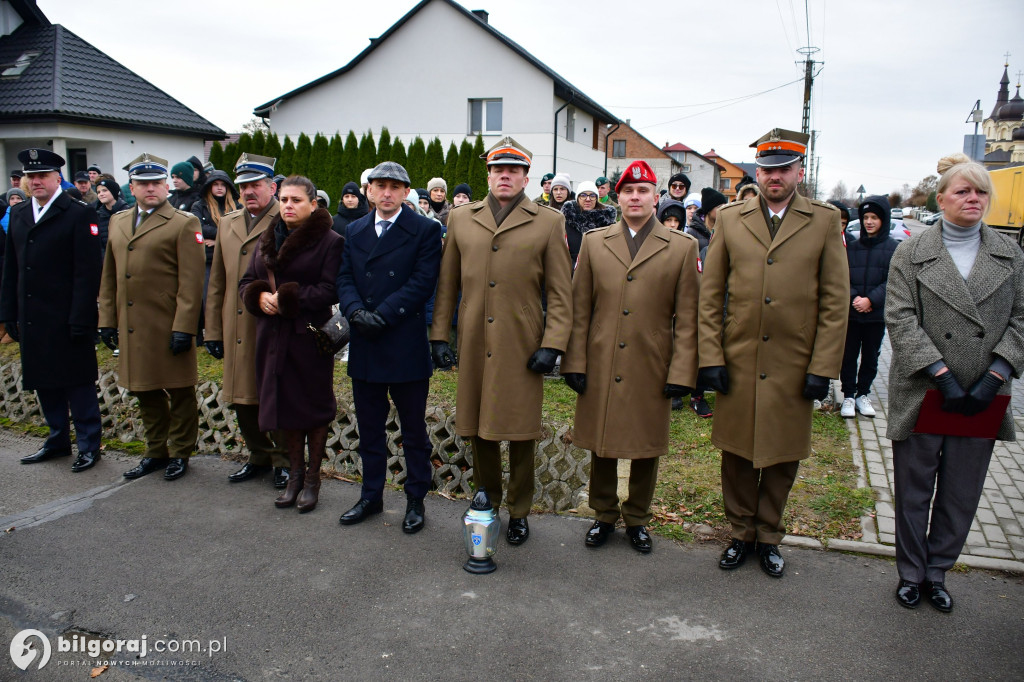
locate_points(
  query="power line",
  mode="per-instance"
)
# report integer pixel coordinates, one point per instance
(703, 104)
(708, 111)
(783, 22)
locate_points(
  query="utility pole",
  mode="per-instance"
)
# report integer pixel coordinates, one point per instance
(805, 127)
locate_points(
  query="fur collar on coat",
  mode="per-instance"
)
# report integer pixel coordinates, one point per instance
(302, 238)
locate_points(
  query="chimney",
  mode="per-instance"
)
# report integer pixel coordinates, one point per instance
(481, 14)
(627, 123)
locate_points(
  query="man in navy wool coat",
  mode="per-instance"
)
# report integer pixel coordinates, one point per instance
(389, 270)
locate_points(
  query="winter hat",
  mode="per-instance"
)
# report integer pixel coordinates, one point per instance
(547, 176)
(196, 163)
(414, 197)
(424, 194)
(681, 177)
(842, 208)
(711, 199)
(93, 167)
(586, 186)
(184, 171)
(364, 179)
(320, 194)
(15, 192)
(671, 207)
(692, 200)
(435, 183)
(112, 187)
(463, 188)
(350, 188)
(561, 180)
(878, 205)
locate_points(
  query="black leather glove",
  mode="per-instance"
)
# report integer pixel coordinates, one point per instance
(180, 342)
(82, 334)
(577, 382)
(543, 360)
(368, 323)
(953, 394)
(714, 378)
(215, 348)
(981, 394)
(12, 330)
(815, 387)
(676, 391)
(442, 354)
(109, 337)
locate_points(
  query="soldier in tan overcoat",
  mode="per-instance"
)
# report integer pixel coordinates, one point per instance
(500, 254)
(151, 292)
(230, 328)
(633, 348)
(779, 261)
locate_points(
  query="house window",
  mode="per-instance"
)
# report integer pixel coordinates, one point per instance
(484, 116)
(618, 149)
(726, 183)
(570, 124)
(686, 167)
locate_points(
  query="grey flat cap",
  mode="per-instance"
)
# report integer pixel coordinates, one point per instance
(389, 170)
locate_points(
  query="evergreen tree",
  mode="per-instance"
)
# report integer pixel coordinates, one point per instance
(303, 150)
(367, 151)
(259, 142)
(451, 163)
(478, 170)
(433, 166)
(384, 146)
(352, 170)
(231, 155)
(287, 159)
(244, 143)
(318, 163)
(337, 168)
(272, 148)
(398, 154)
(217, 155)
(417, 162)
(462, 169)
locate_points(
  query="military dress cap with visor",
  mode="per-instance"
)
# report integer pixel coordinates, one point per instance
(36, 160)
(508, 152)
(147, 167)
(252, 167)
(389, 170)
(780, 147)
(638, 171)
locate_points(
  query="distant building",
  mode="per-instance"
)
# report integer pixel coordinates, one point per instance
(626, 145)
(1004, 134)
(702, 171)
(729, 176)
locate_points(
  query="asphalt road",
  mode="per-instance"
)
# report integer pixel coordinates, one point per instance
(293, 596)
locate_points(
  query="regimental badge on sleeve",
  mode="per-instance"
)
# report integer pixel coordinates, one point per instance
(700, 267)
(94, 229)
(199, 237)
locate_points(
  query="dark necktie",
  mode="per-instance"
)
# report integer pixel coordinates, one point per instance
(384, 225)
(776, 221)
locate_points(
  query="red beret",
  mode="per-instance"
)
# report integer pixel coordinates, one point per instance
(638, 171)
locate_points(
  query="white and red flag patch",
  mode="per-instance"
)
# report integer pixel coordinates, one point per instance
(94, 230)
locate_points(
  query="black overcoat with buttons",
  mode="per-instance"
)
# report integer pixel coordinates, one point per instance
(51, 277)
(394, 274)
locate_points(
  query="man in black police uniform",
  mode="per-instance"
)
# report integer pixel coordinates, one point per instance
(51, 277)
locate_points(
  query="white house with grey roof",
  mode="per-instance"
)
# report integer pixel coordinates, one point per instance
(59, 92)
(502, 90)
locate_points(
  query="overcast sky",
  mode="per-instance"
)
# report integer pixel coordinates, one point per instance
(898, 81)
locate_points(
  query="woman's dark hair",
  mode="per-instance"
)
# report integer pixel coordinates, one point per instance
(300, 181)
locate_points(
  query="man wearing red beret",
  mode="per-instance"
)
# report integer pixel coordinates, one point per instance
(632, 349)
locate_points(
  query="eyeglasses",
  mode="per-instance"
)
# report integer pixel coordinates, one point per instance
(677, 185)
(588, 197)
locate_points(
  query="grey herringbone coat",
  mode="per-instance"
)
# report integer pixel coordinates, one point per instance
(932, 313)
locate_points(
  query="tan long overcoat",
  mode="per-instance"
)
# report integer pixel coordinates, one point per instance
(788, 302)
(500, 272)
(235, 326)
(152, 284)
(634, 330)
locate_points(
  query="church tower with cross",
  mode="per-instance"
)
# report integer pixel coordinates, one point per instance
(1004, 134)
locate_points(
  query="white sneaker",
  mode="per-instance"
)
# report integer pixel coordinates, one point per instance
(864, 406)
(849, 409)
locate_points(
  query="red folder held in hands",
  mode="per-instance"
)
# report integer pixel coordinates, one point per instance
(932, 419)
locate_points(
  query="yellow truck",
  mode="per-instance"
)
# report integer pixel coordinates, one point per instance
(1006, 212)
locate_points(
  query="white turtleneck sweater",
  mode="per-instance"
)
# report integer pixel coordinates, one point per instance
(963, 244)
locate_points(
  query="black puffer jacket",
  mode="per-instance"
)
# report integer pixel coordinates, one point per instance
(578, 222)
(346, 215)
(104, 213)
(202, 211)
(869, 259)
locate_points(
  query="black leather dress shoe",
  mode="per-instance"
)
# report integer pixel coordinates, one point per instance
(735, 554)
(147, 466)
(361, 511)
(518, 531)
(639, 538)
(248, 471)
(176, 468)
(414, 512)
(44, 453)
(772, 562)
(908, 594)
(85, 460)
(938, 596)
(598, 533)
(281, 475)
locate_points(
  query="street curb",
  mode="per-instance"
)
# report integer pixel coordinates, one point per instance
(971, 560)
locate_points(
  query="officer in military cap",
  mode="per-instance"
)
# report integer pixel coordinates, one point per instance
(51, 276)
(231, 329)
(150, 297)
(502, 254)
(781, 258)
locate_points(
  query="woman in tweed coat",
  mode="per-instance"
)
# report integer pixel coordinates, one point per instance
(955, 315)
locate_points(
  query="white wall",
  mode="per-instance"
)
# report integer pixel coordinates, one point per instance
(663, 168)
(388, 89)
(701, 173)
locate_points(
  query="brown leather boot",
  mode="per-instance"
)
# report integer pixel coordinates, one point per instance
(311, 490)
(295, 442)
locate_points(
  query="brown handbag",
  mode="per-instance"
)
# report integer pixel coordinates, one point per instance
(332, 336)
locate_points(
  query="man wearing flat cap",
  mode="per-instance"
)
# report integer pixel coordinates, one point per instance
(51, 276)
(780, 257)
(150, 297)
(633, 349)
(503, 254)
(231, 329)
(388, 273)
